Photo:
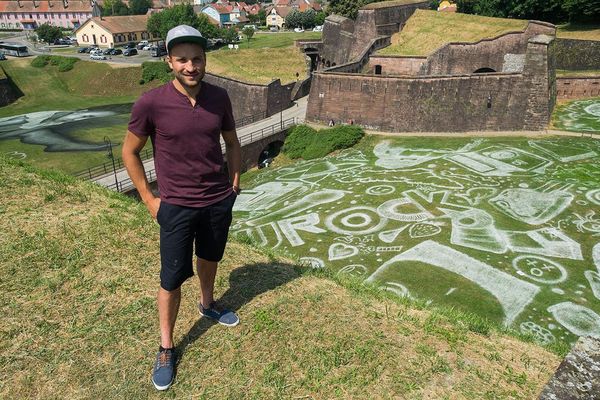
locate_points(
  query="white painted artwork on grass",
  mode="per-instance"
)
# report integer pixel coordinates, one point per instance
(517, 221)
(577, 318)
(512, 293)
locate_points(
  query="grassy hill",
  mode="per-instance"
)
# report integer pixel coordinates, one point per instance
(575, 31)
(78, 276)
(428, 30)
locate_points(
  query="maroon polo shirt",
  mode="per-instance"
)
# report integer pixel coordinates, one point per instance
(185, 140)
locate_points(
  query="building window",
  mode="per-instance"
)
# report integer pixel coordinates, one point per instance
(85, 38)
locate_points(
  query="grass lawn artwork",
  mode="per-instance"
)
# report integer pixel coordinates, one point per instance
(508, 228)
(578, 115)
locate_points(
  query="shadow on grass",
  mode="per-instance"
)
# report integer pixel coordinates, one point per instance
(245, 283)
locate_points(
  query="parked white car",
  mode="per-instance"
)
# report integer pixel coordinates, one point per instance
(97, 56)
(299, 30)
(147, 47)
(95, 51)
(318, 28)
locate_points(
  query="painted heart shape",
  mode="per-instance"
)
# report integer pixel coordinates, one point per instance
(338, 251)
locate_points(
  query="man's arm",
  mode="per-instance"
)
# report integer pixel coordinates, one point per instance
(233, 152)
(132, 146)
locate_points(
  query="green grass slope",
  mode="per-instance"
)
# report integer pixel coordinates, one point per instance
(427, 31)
(78, 276)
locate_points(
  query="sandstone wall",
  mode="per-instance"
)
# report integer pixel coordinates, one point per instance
(396, 65)
(494, 53)
(344, 39)
(495, 101)
(249, 99)
(577, 87)
(572, 54)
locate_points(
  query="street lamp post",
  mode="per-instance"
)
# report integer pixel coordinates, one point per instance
(110, 155)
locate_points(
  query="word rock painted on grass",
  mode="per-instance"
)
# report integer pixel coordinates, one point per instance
(578, 319)
(513, 294)
(541, 335)
(355, 221)
(534, 207)
(501, 161)
(290, 227)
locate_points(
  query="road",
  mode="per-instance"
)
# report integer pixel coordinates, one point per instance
(297, 112)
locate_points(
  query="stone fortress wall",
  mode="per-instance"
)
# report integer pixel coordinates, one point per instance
(441, 92)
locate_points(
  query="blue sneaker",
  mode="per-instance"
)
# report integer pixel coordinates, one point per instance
(164, 369)
(224, 317)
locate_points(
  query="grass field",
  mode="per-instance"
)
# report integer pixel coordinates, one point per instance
(428, 30)
(88, 86)
(503, 227)
(578, 116)
(78, 276)
(583, 32)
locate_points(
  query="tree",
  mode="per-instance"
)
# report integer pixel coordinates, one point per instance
(114, 7)
(320, 18)
(584, 11)
(160, 23)
(293, 19)
(307, 18)
(229, 35)
(139, 7)
(48, 33)
(248, 32)
(346, 8)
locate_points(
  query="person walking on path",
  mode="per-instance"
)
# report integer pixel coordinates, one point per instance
(185, 120)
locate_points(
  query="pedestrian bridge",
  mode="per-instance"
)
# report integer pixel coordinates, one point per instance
(255, 139)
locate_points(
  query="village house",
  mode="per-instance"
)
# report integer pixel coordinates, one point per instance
(29, 14)
(114, 31)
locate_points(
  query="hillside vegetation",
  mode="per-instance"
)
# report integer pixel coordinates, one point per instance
(577, 31)
(78, 276)
(428, 30)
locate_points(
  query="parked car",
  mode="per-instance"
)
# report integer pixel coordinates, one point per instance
(274, 29)
(130, 52)
(61, 41)
(142, 44)
(158, 52)
(97, 56)
(115, 52)
(96, 51)
(318, 28)
(251, 26)
(130, 45)
(107, 52)
(2, 57)
(298, 30)
(148, 47)
(84, 49)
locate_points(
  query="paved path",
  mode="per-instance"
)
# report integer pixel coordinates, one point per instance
(297, 111)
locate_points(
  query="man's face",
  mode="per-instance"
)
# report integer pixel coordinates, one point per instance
(188, 62)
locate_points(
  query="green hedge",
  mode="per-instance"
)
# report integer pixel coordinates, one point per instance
(63, 63)
(305, 142)
(152, 70)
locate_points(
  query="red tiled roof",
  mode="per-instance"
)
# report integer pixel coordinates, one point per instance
(123, 24)
(46, 6)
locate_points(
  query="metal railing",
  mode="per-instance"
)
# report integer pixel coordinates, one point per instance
(126, 185)
(106, 168)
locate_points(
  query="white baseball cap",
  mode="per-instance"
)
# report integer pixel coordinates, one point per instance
(184, 34)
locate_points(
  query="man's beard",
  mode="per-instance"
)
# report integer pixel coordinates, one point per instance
(190, 84)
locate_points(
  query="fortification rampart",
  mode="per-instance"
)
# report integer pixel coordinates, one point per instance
(504, 53)
(496, 101)
(249, 99)
(344, 40)
(574, 54)
(578, 87)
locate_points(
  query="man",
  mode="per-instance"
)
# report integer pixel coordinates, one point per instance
(185, 119)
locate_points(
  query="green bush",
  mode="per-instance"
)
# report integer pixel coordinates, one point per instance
(152, 70)
(299, 138)
(303, 141)
(63, 63)
(40, 61)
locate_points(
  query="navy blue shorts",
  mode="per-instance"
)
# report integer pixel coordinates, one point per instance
(181, 228)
